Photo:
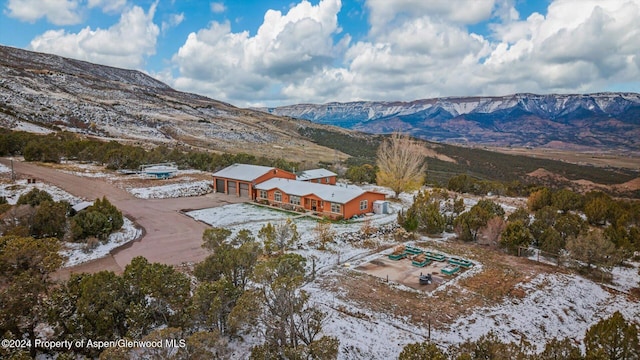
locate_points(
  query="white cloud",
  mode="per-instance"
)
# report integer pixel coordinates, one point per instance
(172, 21)
(124, 44)
(218, 7)
(415, 49)
(286, 48)
(387, 14)
(108, 6)
(579, 44)
(58, 12)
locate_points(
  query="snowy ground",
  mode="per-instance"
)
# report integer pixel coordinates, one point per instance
(561, 306)
(77, 253)
(29, 127)
(253, 217)
(13, 191)
(626, 278)
(555, 305)
(185, 189)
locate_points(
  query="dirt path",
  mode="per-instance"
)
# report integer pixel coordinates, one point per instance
(170, 237)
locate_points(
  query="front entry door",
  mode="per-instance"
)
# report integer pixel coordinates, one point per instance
(313, 205)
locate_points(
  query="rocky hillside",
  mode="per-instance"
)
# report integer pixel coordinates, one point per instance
(41, 92)
(604, 121)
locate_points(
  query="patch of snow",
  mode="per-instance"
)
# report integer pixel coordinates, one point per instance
(363, 334)
(238, 214)
(626, 278)
(88, 173)
(556, 305)
(4, 169)
(252, 217)
(12, 192)
(76, 253)
(196, 188)
(31, 128)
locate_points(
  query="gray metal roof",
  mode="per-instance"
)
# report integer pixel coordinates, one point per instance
(243, 172)
(333, 193)
(315, 174)
(82, 205)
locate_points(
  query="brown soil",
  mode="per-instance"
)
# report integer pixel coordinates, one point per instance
(404, 273)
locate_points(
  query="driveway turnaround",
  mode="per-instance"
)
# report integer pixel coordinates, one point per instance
(169, 237)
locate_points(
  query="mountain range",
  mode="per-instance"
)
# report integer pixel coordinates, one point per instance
(40, 92)
(601, 121)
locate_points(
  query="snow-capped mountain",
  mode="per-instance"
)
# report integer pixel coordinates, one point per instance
(596, 121)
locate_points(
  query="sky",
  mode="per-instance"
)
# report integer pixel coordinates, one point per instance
(271, 52)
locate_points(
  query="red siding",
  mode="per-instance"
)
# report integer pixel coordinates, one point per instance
(275, 173)
(353, 207)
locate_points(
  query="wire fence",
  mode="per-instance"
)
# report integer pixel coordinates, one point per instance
(543, 256)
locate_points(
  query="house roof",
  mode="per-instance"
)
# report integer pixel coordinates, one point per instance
(243, 172)
(315, 174)
(337, 194)
(82, 205)
(160, 169)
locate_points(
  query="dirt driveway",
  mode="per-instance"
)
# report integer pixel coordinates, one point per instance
(169, 236)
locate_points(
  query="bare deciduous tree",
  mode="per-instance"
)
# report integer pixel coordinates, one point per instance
(401, 164)
(491, 232)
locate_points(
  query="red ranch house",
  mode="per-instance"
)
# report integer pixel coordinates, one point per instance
(240, 179)
(325, 200)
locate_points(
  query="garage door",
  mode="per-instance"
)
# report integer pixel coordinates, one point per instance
(244, 190)
(231, 188)
(220, 186)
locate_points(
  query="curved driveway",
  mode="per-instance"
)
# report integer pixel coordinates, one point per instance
(169, 236)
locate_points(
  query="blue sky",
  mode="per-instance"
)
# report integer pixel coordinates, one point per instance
(270, 52)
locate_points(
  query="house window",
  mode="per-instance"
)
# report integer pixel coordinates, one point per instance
(295, 200)
(336, 208)
(277, 196)
(326, 180)
(364, 204)
(263, 194)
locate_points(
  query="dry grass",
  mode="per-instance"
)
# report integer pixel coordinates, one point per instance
(497, 281)
(581, 158)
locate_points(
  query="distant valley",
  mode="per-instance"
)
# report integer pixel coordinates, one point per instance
(589, 122)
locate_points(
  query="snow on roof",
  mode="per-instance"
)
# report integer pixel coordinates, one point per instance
(315, 174)
(82, 205)
(332, 193)
(160, 169)
(243, 172)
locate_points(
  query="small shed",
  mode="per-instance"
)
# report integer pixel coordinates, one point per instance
(381, 207)
(159, 171)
